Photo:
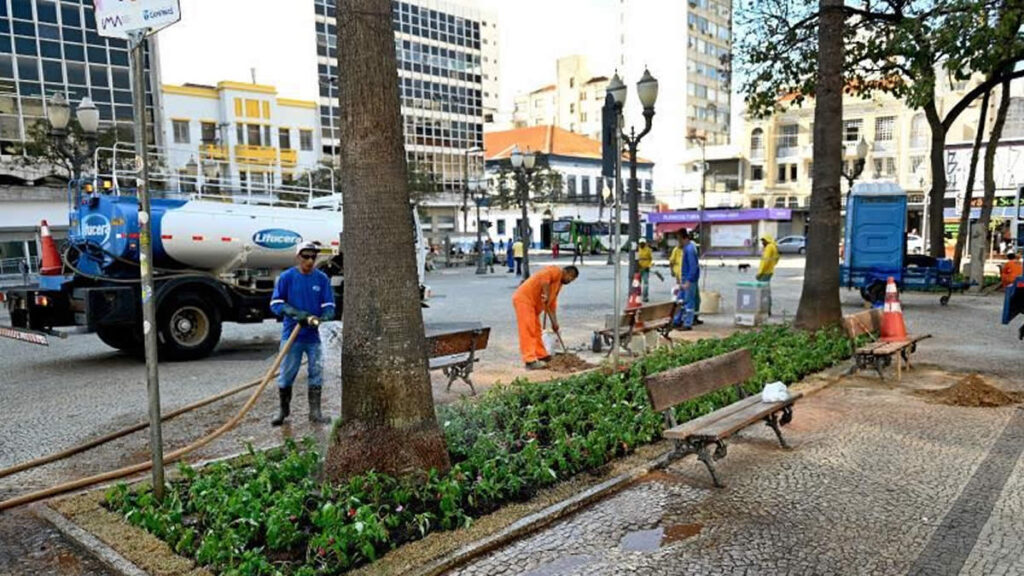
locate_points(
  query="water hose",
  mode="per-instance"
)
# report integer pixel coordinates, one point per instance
(168, 458)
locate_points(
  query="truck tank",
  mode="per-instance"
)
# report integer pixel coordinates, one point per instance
(196, 234)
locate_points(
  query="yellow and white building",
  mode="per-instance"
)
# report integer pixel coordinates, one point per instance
(238, 136)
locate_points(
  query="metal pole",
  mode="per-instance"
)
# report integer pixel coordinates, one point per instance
(634, 207)
(156, 445)
(617, 210)
(480, 265)
(525, 230)
(705, 235)
(465, 193)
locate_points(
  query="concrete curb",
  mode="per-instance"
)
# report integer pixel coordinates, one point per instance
(540, 519)
(86, 541)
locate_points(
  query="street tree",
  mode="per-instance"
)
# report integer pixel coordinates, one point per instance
(40, 150)
(979, 235)
(819, 299)
(388, 421)
(965, 214)
(525, 190)
(906, 48)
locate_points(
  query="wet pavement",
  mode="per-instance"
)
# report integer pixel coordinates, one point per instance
(31, 546)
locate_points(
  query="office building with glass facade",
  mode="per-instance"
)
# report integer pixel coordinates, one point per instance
(49, 46)
(447, 67)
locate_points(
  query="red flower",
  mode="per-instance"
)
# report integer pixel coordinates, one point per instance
(351, 512)
(321, 551)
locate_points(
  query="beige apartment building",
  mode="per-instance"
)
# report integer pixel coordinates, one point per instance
(572, 103)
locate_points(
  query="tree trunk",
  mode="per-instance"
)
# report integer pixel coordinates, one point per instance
(979, 242)
(387, 411)
(819, 300)
(937, 195)
(965, 215)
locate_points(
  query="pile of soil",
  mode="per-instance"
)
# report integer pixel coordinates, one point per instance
(973, 391)
(568, 363)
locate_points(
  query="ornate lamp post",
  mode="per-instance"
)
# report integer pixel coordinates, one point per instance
(858, 156)
(58, 113)
(647, 90)
(523, 166)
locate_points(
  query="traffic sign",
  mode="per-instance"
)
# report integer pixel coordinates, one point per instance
(119, 18)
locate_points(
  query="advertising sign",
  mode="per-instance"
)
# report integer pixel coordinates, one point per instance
(731, 236)
(116, 18)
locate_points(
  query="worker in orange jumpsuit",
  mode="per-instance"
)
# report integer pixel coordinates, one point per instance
(1011, 270)
(537, 295)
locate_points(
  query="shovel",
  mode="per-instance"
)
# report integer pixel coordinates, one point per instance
(558, 333)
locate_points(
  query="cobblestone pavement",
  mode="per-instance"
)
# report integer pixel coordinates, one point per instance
(78, 388)
(877, 482)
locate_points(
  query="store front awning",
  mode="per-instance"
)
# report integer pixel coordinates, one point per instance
(672, 227)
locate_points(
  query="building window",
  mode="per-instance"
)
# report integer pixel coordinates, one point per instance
(284, 136)
(266, 136)
(209, 132)
(885, 166)
(852, 130)
(254, 135)
(915, 163)
(757, 173)
(788, 136)
(252, 108)
(781, 173)
(792, 172)
(570, 185)
(572, 108)
(780, 202)
(181, 135)
(794, 202)
(572, 82)
(757, 143)
(884, 128)
(240, 133)
(585, 189)
(501, 226)
(757, 203)
(238, 106)
(919, 131)
(1014, 127)
(306, 140)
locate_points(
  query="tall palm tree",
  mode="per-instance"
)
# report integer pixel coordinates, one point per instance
(819, 300)
(387, 411)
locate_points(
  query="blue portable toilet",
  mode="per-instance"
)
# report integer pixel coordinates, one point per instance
(875, 237)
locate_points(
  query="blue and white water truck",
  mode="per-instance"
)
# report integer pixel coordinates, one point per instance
(214, 262)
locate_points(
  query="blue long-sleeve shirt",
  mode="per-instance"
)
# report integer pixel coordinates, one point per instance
(311, 293)
(691, 267)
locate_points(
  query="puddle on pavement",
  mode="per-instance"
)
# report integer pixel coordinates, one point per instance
(653, 539)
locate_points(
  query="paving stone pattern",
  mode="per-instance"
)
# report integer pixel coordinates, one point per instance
(873, 474)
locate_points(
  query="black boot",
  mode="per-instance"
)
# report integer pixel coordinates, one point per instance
(285, 396)
(315, 416)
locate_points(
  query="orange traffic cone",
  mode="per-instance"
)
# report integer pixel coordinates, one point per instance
(51, 259)
(634, 302)
(893, 327)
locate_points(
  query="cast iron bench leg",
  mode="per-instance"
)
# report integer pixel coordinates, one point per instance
(708, 458)
(772, 421)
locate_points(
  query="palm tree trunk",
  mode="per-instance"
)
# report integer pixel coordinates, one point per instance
(387, 412)
(965, 214)
(819, 300)
(979, 243)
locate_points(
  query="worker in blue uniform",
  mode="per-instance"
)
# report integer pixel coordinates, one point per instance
(303, 295)
(689, 275)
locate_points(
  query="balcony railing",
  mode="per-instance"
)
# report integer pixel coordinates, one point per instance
(289, 158)
(255, 154)
(788, 152)
(213, 152)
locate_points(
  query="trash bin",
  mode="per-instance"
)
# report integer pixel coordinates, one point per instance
(753, 302)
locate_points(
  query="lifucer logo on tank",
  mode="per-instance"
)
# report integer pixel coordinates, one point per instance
(96, 228)
(276, 239)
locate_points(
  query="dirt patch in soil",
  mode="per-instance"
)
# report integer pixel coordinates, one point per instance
(972, 391)
(565, 363)
(680, 532)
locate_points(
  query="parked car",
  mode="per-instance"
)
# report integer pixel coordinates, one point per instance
(915, 244)
(792, 245)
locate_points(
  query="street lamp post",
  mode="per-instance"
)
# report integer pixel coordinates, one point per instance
(465, 185)
(647, 89)
(523, 165)
(478, 197)
(859, 157)
(701, 139)
(58, 113)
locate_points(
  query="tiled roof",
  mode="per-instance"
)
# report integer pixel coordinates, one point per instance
(545, 140)
(547, 88)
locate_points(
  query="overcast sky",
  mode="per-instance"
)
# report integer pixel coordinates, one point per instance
(223, 39)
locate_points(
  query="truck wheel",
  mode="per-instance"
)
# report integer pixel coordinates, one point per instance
(188, 327)
(122, 338)
(874, 292)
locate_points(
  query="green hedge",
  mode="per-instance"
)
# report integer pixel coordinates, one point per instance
(267, 513)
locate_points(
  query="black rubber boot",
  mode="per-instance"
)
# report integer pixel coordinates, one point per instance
(285, 396)
(315, 416)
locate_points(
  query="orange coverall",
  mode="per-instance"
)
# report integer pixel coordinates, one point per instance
(528, 305)
(1011, 270)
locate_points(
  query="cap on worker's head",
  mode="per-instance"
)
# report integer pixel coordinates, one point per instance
(306, 246)
(643, 240)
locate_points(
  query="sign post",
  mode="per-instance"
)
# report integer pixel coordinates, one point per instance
(134, 20)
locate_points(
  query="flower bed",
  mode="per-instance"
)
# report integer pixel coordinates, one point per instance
(267, 513)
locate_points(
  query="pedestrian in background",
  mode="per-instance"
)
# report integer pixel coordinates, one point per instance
(303, 296)
(489, 255)
(644, 261)
(577, 251)
(510, 258)
(769, 258)
(689, 276)
(554, 250)
(517, 254)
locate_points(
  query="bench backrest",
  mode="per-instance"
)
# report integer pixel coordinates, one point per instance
(657, 312)
(671, 387)
(864, 322)
(461, 342)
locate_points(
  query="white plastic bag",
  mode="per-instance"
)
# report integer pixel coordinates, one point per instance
(550, 340)
(774, 392)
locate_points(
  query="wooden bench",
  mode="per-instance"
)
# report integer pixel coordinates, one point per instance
(672, 387)
(648, 318)
(878, 354)
(454, 353)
